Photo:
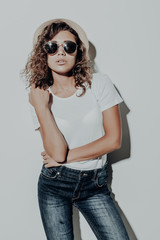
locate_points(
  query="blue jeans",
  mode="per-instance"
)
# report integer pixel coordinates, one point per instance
(60, 187)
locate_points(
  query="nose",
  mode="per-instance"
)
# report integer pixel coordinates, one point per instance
(61, 50)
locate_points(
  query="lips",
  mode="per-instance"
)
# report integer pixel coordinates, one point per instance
(61, 61)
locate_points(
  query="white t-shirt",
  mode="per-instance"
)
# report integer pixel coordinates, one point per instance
(80, 118)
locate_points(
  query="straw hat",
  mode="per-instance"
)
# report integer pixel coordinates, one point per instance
(82, 35)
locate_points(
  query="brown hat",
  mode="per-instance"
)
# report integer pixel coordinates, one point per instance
(82, 35)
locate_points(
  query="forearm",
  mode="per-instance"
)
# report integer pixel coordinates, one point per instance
(109, 142)
(94, 149)
(53, 141)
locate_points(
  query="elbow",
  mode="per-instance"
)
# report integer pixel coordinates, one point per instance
(61, 160)
(117, 144)
(57, 153)
(61, 157)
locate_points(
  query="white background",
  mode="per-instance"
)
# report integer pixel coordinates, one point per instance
(126, 37)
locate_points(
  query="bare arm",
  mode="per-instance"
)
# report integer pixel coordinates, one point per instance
(53, 141)
(108, 143)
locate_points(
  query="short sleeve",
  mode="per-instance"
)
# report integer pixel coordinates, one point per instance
(105, 92)
(36, 123)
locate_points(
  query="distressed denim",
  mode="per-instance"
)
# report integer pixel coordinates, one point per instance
(59, 188)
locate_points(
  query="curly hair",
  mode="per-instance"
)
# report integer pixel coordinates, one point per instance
(37, 71)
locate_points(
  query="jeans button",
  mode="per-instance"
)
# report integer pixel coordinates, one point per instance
(85, 174)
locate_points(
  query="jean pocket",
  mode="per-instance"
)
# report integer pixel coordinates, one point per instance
(49, 173)
(101, 178)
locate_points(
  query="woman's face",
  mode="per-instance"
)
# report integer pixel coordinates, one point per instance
(62, 62)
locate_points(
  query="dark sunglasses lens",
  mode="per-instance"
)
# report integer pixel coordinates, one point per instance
(70, 47)
(50, 47)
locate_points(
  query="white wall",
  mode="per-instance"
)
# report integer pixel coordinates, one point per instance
(126, 37)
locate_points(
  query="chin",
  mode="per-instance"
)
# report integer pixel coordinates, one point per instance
(66, 72)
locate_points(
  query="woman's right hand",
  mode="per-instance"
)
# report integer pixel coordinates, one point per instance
(48, 161)
(39, 98)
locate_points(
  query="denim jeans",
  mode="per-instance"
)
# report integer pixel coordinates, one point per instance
(59, 188)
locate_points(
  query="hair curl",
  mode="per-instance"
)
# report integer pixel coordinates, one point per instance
(37, 71)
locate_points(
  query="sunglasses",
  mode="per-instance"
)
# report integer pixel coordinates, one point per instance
(51, 47)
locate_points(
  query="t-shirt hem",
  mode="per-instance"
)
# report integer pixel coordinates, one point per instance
(84, 166)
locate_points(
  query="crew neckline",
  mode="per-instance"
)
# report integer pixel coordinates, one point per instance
(63, 98)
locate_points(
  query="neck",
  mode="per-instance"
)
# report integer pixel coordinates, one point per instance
(63, 81)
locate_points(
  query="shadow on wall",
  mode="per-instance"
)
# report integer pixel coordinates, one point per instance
(114, 157)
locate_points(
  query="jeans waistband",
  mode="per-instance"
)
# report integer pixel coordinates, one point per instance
(76, 173)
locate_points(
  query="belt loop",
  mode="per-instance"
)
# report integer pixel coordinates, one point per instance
(95, 174)
(80, 174)
(106, 164)
(61, 169)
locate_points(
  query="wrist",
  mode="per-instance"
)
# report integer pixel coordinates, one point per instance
(41, 108)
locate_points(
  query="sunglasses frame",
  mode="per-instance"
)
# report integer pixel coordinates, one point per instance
(58, 45)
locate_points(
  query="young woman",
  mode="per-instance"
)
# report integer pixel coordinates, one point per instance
(78, 117)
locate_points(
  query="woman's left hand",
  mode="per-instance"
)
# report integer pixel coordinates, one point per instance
(48, 161)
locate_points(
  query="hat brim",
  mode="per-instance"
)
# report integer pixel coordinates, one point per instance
(81, 33)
